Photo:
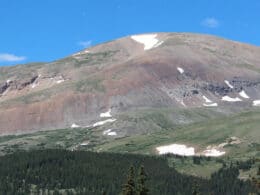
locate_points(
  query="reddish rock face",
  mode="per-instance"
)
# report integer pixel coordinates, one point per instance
(122, 75)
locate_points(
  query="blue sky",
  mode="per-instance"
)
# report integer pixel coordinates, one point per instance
(35, 31)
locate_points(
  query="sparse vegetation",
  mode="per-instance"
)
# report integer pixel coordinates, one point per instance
(197, 134)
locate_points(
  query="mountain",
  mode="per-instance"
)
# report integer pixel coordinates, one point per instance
(187, 94)
(166, 70)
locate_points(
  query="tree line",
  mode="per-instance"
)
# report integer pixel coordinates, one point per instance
(83, 172)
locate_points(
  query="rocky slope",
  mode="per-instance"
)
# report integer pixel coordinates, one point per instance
(96, 86)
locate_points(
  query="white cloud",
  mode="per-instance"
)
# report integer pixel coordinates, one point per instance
(85, 44)
(210, 22)
(6, 57)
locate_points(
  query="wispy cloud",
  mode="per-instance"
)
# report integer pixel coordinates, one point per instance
(6, 57)
(85, 44)
(210, 22)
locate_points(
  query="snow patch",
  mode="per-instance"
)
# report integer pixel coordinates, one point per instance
(256, 103)
(177, 149)
(85, 143)
(109, 132)
(230, 141)
(216, 151)
(182, 103)
(183, 150)
(158, 44)
(222, 145)
(234, 140)
(85, 51)
(180, 70)
(213, 152)
(228, 84)
(148, 40)
(112, 133)
(106, 131)
(61, 80)
(229, 99)
(243, 94)
(36, 83)
(75, 126)
(104, 122)
(8, 81)
(206, 99)
(82, 52)
(58, 79)
(106, 114)
(211, 105)
(208, 103)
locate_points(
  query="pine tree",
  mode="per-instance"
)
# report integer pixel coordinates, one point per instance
(195, 189)
(129, 187)
(142, 178)
(56, 192)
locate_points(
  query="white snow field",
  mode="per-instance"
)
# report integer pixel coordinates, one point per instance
(180, 70)
(35, 83)
(112, 133)
(207, 100)
(213, 152)
(158, 44)
(100, 123)
(211, 105)
(148, 40)
(182, 103)
(109, 132)
(183, 150)
(178, 149)
(8, 81)
(106, 114)
(74, 125)
(230, 99)
(106, 131)
(85, 143)
(228, 84)
(243, 94)
(256, 103)
(61, 80)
